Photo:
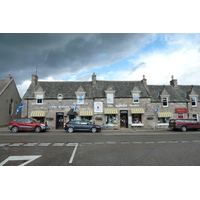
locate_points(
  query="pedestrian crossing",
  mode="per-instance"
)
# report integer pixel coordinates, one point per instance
(62, 144)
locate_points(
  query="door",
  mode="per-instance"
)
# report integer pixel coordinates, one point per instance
(123, 118)
(59, 120)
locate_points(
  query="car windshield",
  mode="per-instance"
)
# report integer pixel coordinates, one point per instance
(34, 120)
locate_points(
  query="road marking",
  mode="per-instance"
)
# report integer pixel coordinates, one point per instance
(173, 141)
(125, 142)
(185, 141)
(85, 143)
(162, 142)
(2, 145)
(30, 144)
(137, 142)
(16, 158)
(44, 144)
(110, 142)
(15, 144)
(99, 143)
(75, 148)
(150, 142)
(196, 141)
(58, 144)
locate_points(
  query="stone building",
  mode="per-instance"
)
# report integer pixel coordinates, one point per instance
(9, 100)
(112, 104)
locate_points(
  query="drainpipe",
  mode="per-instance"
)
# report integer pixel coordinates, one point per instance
(188, 110)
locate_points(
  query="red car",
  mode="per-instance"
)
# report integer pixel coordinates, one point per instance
(184, 124)
(27, 124)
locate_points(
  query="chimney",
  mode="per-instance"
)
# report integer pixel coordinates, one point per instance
(94, 80)
(174, 82)
(8, 78)
(144, 80)
(34, 79)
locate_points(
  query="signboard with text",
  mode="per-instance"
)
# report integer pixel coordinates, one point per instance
(181, 110)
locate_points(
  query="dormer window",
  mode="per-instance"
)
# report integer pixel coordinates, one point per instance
(39, 98)
(165, 101)
(60, 97)
(110, 98)
(136, 97)
(194, 101)
(80, 99)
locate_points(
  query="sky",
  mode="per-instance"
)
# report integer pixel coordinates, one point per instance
(112, 56)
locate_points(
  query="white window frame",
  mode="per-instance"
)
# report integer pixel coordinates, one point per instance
(60, 97)
(136, 97)
(80, 100)
(110, 97)
(194, 100)
(165, 101)
(39, 96)
(195, 118)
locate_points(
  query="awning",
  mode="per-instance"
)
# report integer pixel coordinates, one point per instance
(110, 111)
(137, 111)
(85, 113)
(38, 114)
(71, 112)
(164, 114)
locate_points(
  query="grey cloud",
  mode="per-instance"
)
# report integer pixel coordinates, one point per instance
(63, 53)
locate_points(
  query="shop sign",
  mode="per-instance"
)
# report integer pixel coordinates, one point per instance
(181, 110)
(121, 106)
(98, 107)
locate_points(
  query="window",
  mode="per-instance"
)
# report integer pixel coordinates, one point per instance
(194, 101)
(195, 117)
(11, 107)
(135, 97)
(39, 98)
(163, 120)
(80, 99)
(60, 97)
(165, 101)
(110, 98)
(180, 115)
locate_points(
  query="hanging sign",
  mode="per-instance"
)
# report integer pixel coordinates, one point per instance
(181, 110)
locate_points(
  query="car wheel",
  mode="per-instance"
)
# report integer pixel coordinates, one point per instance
(184, 128)
(70, 130)
(15, 129)
(37, 129)
(93, 130)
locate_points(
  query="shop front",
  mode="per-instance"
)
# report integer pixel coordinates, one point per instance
(39, 115)
(137, 117)
(111, 115)
(86, 115)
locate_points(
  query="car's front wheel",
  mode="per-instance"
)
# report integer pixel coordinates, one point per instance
(37, 129)
(184, 128)
(70, 130)
(93, 130)
(15, 129)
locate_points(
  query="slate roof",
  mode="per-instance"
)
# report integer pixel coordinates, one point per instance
(122, 90)
(67, 89)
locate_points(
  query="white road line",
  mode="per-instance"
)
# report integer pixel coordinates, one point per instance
(85, 143)
(150, 142)
(137, 142)
(15, 158)
(125, 142)
(58, 144)
(73, 154)
(110, 142)
(162, 142)
(185, 141)
(15, 144)
(2, 145)
(44, 144)
(30, 144)
(196, 141)
(173, 141)
(99, 143)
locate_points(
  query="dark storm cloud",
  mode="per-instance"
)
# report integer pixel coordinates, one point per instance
(57, 54)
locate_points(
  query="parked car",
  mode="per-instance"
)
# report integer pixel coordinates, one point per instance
(27, 124)
(79, 125)
(184, 124)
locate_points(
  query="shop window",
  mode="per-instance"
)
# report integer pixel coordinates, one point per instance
(135, 97)
(194, 101)
(165, 102)
(195, 117)
(111, 119)
(110, 98)
(163, 120)
(39, 98)
(136, 118)
(80, 99)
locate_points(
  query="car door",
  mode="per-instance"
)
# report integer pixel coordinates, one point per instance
(29, 124)
(85, 126)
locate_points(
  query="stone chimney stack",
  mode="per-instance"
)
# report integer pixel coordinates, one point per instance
(174, 82)
(34, 80)
(94, 78)
(8, 78)
(144, 80)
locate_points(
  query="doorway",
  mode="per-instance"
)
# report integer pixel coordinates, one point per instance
(59, 120)
(123, 118)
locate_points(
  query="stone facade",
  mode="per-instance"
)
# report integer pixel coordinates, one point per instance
(112, 104)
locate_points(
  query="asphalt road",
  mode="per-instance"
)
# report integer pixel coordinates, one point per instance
(108, 148)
